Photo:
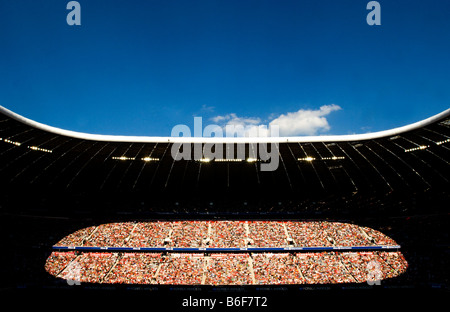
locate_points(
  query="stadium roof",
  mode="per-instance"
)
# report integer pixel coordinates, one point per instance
(154, 139)
(413, 158)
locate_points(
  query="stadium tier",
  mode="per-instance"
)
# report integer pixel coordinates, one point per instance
(226, 269)
(210, 235)
(261, 259)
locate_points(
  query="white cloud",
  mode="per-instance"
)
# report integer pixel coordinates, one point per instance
(305, 122)
(301, 122)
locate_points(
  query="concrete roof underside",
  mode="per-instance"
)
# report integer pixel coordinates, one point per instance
(36, 159)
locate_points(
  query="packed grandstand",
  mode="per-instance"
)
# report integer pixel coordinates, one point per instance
(106, 210)
(225, 234)
(320, 267)
(226, 269)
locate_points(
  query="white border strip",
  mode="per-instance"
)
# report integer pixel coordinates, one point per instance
(299, 139)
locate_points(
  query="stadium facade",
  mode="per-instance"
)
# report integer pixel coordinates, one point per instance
(55, 182)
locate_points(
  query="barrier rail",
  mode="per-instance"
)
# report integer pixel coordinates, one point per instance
(207, 249)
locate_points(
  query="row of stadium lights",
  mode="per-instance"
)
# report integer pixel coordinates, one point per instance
(442, 142)
(308, 158)
(250, 160)
(34, 148)
(134, 158)
(201, 160)
(422, 147)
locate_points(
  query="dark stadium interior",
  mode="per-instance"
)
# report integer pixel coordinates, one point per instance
(52, 185)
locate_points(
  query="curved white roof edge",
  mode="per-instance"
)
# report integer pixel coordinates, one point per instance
(150, 139)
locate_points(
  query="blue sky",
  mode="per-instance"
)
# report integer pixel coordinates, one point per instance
(142, 67)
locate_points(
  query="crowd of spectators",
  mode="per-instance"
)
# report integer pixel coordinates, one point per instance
(267, 234)
(184, 269)
(227, 269)
(345, 234)
(110, 235)
(308, 234)
(57, 261)
(324, 268)
(189, 234)
(77, 238)
(276, 269)
(377, 237)
(357, 263)
(226, 234)
(134, 268)
(149, 234)
(89, 267)
(395, 264)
